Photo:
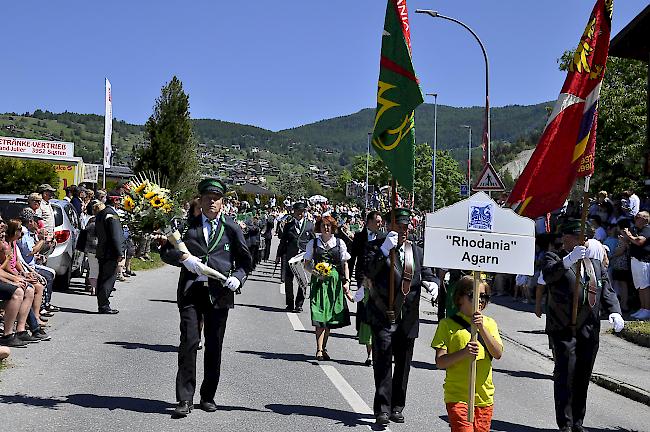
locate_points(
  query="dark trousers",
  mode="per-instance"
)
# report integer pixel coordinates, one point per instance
(574, 361)
(214, 329)
(390, 385)
(49, 277)
(267, 250)
(288, 289)
(106, 282)
(255, 252)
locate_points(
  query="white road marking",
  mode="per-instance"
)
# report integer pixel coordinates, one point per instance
(357, 404)
(295, 321)
(281, 287)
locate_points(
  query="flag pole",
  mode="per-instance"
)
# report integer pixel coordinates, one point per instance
(367, 162)
(472, 369)
(391, 282)
(581, 242)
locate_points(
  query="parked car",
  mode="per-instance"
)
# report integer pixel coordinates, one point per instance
(64, 259)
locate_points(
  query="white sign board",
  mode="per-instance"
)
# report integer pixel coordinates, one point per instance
(22, 146)
(476, 234)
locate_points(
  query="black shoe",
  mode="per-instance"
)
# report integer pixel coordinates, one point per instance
(130, 273)
(382, 419)
(12, 341)
(52, 308)
(326, 356)
(182, 409)
(368, 362)
(41, 335)
(26, 337)
(298, 309)
(397, 417)
(578, 428)
(289, 309)
(109, 311)
(208, 405)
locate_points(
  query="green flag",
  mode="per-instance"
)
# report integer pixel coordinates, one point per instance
(398, 95)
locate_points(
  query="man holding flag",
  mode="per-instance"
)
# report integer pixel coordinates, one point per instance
(391, 260)
(577, 285)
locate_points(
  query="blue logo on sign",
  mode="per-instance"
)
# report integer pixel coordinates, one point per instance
(481, 217)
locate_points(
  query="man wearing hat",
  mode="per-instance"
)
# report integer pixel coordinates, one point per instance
(296, 234)
(394, 337)
(575, 349)
(46, 211)
(217, 241)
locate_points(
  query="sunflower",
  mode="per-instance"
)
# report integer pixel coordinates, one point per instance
(140, 188)
(167, 208)
(128, 204)
(157, 202)
(149, 195)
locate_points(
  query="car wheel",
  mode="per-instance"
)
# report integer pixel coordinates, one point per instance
(62, 282)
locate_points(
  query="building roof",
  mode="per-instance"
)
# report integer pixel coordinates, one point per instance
(633, 42)
(255, 189)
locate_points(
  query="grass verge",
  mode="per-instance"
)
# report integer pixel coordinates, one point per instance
(637, 332)
(139, 265)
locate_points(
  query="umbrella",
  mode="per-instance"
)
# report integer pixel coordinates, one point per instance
(317, 199)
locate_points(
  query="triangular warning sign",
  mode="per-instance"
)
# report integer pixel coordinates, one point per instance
(489, 180)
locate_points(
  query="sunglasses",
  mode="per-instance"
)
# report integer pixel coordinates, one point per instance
(483, 297)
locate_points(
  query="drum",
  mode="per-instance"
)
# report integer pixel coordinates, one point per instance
(298, 270)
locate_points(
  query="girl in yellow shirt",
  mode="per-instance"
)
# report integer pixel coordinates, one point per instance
(455, 352)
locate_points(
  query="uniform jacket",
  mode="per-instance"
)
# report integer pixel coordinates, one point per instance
(268, 232)
(560, 283)
(110, 235)
(231, 257)
(378, 269)
(292, 242)
(357, 251)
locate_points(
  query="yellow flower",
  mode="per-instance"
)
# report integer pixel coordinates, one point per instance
(128, 204)
(140, 188)
(149, 195)
(167, 208)
(157, 202)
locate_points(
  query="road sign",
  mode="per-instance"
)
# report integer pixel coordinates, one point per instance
(464, 190)
(476, 234)
(489, 180)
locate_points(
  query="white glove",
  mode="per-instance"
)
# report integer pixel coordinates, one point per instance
(191, 263)
(389, 243)
(359, 294)
(432, 288)
(617, 320)
(578, 253)
(232, 283)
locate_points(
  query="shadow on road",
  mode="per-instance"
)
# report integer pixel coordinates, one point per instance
(262, 308)
(333, 335)
(423, 365)
(504, 426)
(163, 301)
(346, 418)
(136, 345)
(76, 311)
(525, 374)
(93, 401)
(292, 357)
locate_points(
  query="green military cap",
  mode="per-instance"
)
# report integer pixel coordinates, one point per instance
(402, 216)
(212, 185)
(299, 206)
(572, 227)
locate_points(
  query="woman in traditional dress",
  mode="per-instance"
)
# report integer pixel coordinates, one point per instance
(328, 303)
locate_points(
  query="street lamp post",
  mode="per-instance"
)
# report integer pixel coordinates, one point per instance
(435, 14)
(435, 150)
(469, 159)
(367, 159)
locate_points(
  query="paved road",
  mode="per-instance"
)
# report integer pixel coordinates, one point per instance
(116, 373)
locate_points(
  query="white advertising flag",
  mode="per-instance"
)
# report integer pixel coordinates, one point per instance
(108, 126)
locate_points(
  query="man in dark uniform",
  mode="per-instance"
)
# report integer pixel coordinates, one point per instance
(295, 236)
(110, 251)
(268, 236)
(394, 339)
(575, 349)
(360, 242)
(217, 241)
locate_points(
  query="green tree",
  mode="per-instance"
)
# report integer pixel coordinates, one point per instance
(172, 150)
(620, 139)
(22, 176)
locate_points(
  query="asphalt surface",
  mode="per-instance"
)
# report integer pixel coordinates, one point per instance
(116, 373)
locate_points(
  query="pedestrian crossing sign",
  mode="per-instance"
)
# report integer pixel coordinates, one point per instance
(489, 180)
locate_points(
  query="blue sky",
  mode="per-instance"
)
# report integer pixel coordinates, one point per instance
(277, 64)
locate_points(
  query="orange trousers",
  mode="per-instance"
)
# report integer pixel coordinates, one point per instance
(458, 418)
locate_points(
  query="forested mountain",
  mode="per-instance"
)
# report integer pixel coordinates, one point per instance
(330, 143)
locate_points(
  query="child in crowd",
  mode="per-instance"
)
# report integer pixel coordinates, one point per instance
(455, 352)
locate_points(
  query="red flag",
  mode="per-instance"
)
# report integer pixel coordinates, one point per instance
(567, 146)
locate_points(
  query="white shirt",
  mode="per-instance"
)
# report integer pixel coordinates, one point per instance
(371, 236)
(635, 203)
(47, 213)
(327, 245)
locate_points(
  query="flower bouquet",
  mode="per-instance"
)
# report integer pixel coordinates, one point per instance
(149, 207)
(323, 270)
